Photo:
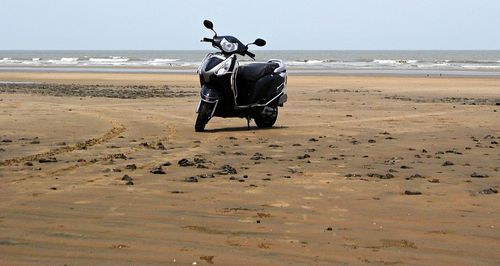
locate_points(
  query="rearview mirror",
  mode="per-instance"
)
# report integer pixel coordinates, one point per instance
(259, 42)
(208, 24)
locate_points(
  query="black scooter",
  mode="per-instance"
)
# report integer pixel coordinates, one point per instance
(251, 91)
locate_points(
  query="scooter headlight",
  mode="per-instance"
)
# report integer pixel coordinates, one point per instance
(227, 46)
(224, 69)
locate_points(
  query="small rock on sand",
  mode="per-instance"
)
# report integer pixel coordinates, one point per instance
(412, 192)
(191, 179)
(448, 163)
(48, 160)
(478, 175)
(157, 171)
(227, 169)
(185, 162)
(131, 167)
(488, 191)
(127, 178)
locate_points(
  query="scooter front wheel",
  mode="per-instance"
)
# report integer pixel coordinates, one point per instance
(204, 115)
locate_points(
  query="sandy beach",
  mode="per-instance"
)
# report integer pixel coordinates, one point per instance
(106, 169)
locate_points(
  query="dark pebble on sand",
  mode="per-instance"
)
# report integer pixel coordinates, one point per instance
(433, 180)
(48, 160)
(387, 176)
(478, 175)
(120, 156)
(35, 142)
(313, 140)
(259, 156)
(227, 169)
(296, 145)
(191, 179)
(206, 176)
(28, 164)
(6, 140)
(448, 163)
(185, 162)
(329, 229)
(406, 167)
(371, 141)
(414, 177)
(375, 175)
(129, 183)
(131, 167)
(127, 178)
(305, 156)
(488, 191)
(160, 146)
(412, 192)
(166, 164)
(239, 179)
(157, 171)
(274, 146)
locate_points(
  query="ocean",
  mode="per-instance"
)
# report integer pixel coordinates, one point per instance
(481, 62)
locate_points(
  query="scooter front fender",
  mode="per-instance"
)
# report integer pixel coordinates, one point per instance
(209, 94)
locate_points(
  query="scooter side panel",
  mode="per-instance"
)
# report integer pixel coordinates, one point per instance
(266, 88)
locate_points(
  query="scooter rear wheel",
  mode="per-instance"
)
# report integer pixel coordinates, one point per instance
(204, 114)
(267, 118)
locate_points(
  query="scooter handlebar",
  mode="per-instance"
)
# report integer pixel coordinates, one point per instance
(252, 55)
(207, 40)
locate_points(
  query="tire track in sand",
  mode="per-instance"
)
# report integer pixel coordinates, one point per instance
(114, 132)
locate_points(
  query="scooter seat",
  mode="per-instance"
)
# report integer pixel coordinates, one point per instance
(255, 71)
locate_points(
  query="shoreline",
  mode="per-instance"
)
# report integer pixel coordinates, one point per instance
(358, 72)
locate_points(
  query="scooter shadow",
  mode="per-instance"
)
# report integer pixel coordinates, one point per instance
(237, 129)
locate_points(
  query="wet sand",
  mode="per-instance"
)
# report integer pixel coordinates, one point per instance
(357, 170)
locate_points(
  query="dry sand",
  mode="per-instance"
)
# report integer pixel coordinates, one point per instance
(358, 170)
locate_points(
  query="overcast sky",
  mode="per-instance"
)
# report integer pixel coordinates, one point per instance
(290, 24)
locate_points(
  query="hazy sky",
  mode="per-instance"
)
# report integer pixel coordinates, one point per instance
(306, 24)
